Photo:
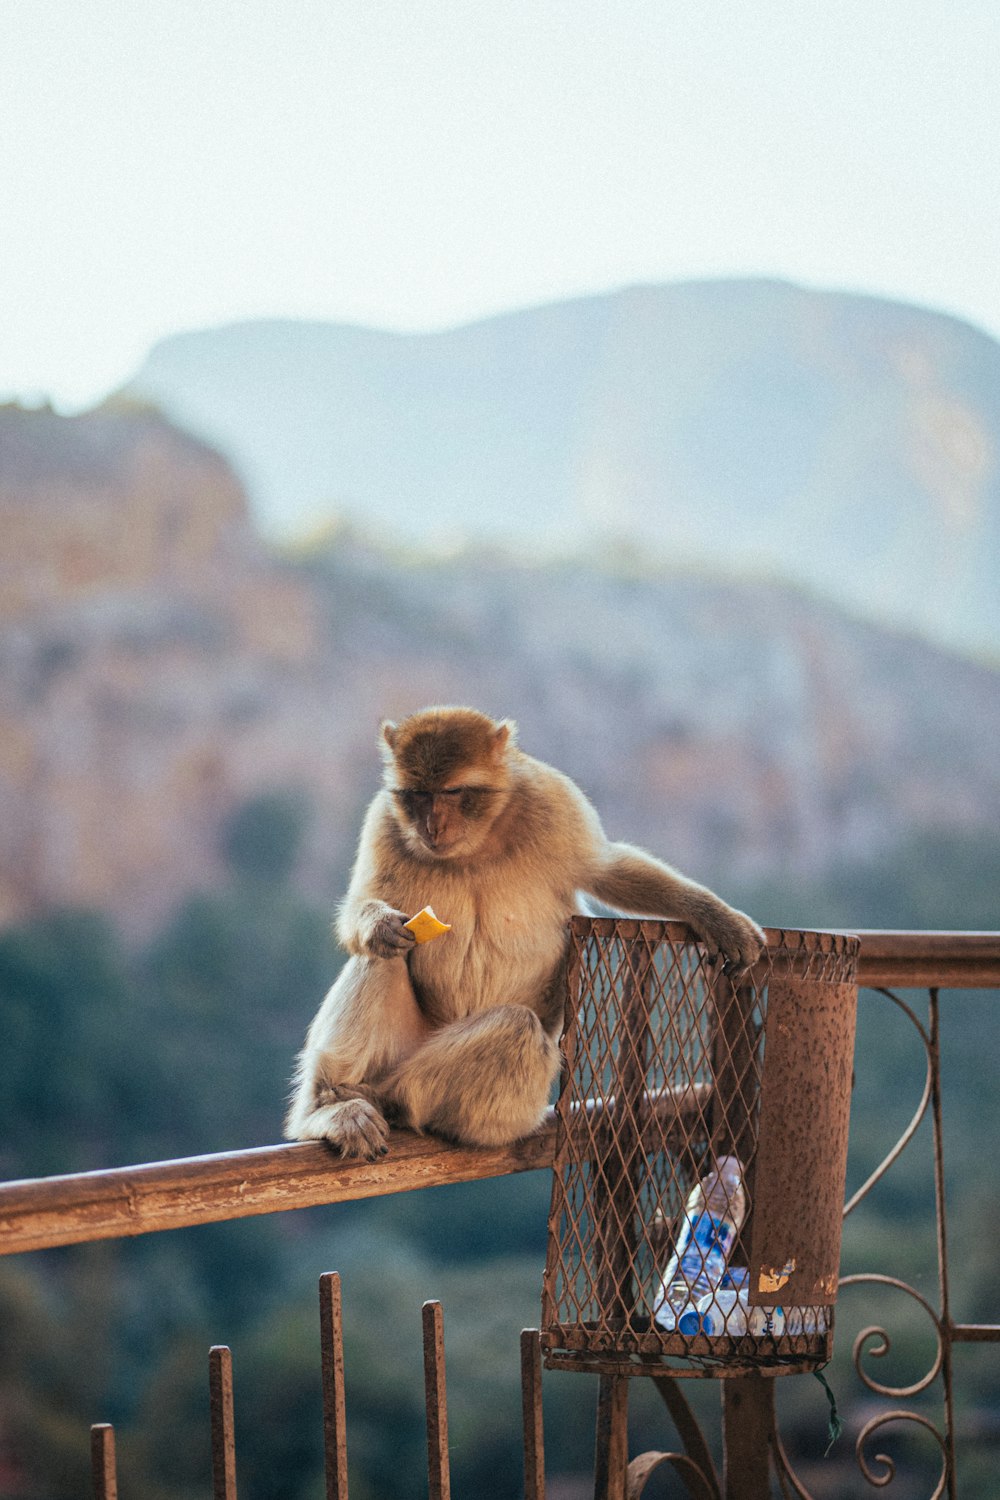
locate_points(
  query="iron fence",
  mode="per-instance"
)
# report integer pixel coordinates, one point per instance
(755, 1457)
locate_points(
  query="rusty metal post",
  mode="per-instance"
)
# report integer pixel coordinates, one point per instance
(436, 1396)
(531, 1413)
(102, 1461)
(611, 1447)
(220, 1372)
(747, 1424)
(334, 1411)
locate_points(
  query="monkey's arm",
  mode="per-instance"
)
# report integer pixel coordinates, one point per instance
(633, 881)
(367, 924)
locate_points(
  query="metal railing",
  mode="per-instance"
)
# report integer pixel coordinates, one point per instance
(151, 1198)
(894, 961)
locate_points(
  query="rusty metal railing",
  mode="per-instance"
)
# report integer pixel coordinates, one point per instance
(891, 962)
(151, 1198)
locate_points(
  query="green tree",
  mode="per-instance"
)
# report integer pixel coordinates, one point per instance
(71, 1093)
(234, 979)
(261, 839)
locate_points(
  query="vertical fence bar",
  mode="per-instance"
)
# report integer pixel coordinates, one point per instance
(436, 1399)
(942, 1242)
(102, 1461)
(611, 1447)
(531, 1413)
(747, 1425)
(220, 1384)
(331, 1332)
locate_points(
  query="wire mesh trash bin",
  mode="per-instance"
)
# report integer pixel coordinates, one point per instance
(701, 1153)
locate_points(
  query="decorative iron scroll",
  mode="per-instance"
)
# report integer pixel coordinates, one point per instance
(874, 1341)
(668, 1061)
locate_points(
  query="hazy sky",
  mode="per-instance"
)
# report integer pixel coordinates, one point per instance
(413, 163)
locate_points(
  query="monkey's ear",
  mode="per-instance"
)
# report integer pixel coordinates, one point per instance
(389, 731)
(506, 734)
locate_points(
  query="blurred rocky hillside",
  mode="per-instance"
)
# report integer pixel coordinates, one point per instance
(159, 666)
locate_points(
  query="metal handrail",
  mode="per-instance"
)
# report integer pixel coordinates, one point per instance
(40, 1213)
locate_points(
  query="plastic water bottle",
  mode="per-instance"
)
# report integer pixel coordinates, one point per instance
(712, 1217)
(727, 1311)
(807, 1320)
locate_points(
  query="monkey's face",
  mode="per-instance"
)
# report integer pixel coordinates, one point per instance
(449, 775)
(449, 821)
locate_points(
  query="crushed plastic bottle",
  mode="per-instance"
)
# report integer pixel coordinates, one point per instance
(712, 1217)
(728, 1312)
(807, 1320)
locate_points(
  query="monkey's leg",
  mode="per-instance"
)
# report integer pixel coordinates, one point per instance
(368, 1023)
(484, 1080)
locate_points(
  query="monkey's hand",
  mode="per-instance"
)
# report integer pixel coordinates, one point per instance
(732, 933)
(383, 933)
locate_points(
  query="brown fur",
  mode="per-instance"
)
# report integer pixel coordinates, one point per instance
(459, 1035)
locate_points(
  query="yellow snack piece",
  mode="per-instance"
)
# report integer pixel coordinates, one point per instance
(425, 926)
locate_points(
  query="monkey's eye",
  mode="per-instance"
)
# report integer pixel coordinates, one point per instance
(417, 802)
(475, 800)
(414, 803)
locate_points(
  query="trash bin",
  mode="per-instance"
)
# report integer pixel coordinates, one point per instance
(672, 1069)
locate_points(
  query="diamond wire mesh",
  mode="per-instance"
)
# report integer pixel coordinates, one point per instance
(664, 1062)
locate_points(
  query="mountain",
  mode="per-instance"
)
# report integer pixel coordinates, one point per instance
(835, 440)
(160, 666)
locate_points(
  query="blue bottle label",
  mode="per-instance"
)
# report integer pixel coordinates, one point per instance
(707, 1243)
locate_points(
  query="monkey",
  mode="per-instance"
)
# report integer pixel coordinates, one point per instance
(460, 1036)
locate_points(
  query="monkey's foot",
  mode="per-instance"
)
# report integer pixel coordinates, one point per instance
(355, 1127)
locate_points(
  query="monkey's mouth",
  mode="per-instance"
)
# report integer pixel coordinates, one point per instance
(440, 847)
